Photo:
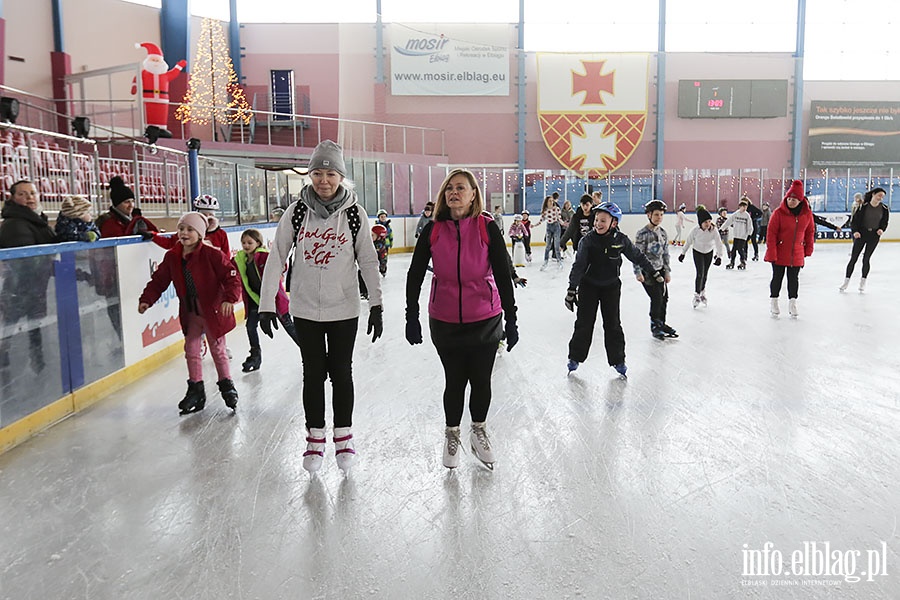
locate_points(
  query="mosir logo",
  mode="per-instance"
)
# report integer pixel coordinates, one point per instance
(592, 108)
(423, 46)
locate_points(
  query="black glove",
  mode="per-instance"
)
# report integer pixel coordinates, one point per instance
(512, 334)
(659, 275)
(268, 320)
(520, 281)
(146, 235)
(718, 261)
(413, 331)
(681, 258)
(571, 299)
(376, 324)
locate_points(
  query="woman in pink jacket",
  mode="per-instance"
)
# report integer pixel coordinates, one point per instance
(470, 289)
(789, 240)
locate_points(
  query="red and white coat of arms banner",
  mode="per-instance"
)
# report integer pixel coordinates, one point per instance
(592, 108)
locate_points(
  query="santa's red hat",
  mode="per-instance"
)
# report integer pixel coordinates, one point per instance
(152, 49)
(795, 191)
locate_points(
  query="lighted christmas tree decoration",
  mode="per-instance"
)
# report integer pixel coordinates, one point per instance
(213, 95)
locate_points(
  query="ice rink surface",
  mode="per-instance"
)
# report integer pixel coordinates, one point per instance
(747, 440)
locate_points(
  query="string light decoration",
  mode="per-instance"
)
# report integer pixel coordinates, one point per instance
(213, 93)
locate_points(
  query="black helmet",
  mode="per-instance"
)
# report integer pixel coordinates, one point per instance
(655, 205)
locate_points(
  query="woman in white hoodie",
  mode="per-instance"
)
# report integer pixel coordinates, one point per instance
(324, 225)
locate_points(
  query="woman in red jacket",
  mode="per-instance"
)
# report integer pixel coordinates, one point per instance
(208, 286)
(789, 240)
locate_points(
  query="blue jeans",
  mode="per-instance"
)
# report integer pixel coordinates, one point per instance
(552, 239)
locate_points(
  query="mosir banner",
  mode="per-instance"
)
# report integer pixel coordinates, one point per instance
(474, 62)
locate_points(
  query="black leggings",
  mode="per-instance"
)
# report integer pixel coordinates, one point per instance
(253, 323)
(754, 237)
(607, 298)
(527, 241)
(326, 348)
(463, 367)
(867, 240)
(701, 265)
(793, 276)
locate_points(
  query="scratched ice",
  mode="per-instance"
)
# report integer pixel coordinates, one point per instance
(745, 430)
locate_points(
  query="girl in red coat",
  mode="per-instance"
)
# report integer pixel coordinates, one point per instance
(789, 240)
(208, 286)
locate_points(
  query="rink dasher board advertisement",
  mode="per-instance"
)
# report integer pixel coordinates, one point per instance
(854, 134)
(443, 60)
(159, 327)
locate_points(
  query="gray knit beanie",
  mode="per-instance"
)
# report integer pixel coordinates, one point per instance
(328, 155)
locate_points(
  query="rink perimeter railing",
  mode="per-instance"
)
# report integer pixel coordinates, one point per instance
(70, 332)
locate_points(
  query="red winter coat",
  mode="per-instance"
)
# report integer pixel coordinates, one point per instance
(216, 280)
(790, 239)
(112, 225)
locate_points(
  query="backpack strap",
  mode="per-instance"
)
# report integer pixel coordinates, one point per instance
(297, 218)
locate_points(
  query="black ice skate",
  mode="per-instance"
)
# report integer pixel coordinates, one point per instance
(254, 360)
(669, 331)
(742, 266)
(729, 266)
(656, 329)
(229, 394)
(194, 400)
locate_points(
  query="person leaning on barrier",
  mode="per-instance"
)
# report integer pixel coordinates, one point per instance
(25, 280)
(24, 224)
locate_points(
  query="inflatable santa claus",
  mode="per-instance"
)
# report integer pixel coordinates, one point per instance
(155, 78)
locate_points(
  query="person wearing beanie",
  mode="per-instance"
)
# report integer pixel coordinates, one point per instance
(868, 225)
(743, 229)
(216, 237)
(789, 240)
(208, 286)
(323, 296)
(426, 217)
(116, 221)
(708, 250)
(653, 241)
(74, 223)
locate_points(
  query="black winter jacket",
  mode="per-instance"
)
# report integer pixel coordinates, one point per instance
(856, 223)
(599, 259)
(23, 227)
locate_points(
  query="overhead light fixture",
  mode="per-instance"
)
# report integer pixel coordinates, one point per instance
(81, 126)
(9, 109)
(193, 144)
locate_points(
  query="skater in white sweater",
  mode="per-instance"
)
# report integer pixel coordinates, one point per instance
(708, 250)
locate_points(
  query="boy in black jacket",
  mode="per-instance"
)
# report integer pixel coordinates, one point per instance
(580, 223)
(594, 281)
